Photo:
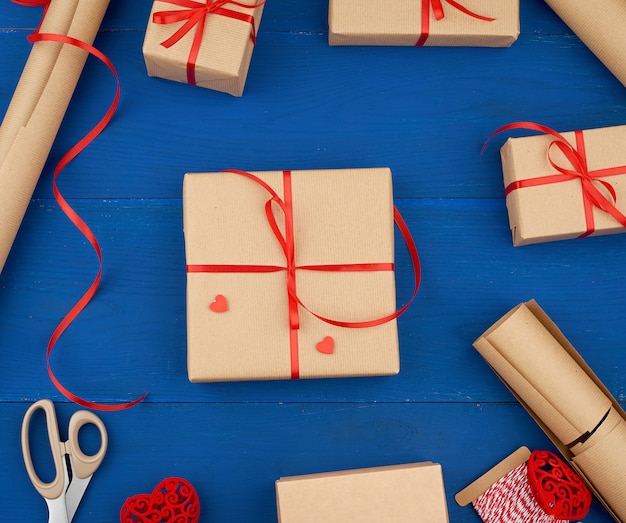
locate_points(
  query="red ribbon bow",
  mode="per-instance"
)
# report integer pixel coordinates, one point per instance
(287, 244)
(577, 157)
(195, 15)
(438, 12)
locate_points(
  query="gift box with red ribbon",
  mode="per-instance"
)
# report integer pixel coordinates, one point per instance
(290, 274)
(208, 43)
(563, 186)
(472, 23)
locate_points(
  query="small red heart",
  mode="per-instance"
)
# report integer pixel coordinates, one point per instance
(556, 487)
(219, 304)
(173, 500)
(326, 346)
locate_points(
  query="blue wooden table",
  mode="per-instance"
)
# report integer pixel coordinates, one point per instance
(423, 112)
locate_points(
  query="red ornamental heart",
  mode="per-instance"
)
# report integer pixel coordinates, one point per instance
(173, 500)
(556, 487)
(326, 346)
(219, 304)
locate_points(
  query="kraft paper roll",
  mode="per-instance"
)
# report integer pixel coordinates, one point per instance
(533, 363)
(539, 365)
(600, 25)
(38, 106)
(603, 465)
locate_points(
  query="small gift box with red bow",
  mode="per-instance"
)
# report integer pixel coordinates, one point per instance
(408, 493)
(472, 23)
(202, 42)
(290, 274)
(563, 186)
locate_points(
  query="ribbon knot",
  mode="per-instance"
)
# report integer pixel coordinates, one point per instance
(438, 12)
(576, 155)
(194, 15)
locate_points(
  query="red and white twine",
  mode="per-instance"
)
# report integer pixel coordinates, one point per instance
(510, 500)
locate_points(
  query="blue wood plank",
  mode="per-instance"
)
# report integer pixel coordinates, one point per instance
(233, 454)
(308, 105)
(279, 16)
(132, 337)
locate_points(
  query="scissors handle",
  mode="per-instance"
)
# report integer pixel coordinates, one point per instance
(84, 465)
(53, 489)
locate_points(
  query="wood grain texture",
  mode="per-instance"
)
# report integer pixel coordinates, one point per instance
(423, 112)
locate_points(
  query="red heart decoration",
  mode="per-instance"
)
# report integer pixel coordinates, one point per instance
(326, 346)
(173, 500)
(219, 304)
(556, 487)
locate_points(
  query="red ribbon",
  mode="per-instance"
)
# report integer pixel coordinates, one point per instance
(438, 12)
(195, 15)
(577, 157)
(69, 211)
(287, 244)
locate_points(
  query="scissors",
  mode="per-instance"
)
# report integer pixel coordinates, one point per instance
(73, 467)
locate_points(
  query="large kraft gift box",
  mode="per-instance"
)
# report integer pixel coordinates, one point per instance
(222, 37)
(600, 25)
(473, 23)
(412, 493)
(545, 205)
(560, 391)
(248, 317)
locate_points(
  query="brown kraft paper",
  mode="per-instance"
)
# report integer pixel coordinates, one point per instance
(600, 25)
(552, 381)
(402, 493)
(340, 217)
(38, 106)
(399, 23)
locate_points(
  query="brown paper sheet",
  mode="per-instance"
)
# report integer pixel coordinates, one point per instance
(552, 381)
(402, 494)
(600, 25)
(38, 106)
(555, 211)
(225, 53)
(399, 23)
(340, 216)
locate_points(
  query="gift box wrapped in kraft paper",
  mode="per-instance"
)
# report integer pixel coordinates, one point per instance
(552, 381)
(38, 106)
(472, 23)
(564, 186)
(600, 25)
(412, 493)
(290, 274)
(208, 43)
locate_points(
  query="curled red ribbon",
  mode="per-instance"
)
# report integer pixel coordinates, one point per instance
(287, 244)
(438, 12)
(195, 15)
(69, 211)
(577, 157)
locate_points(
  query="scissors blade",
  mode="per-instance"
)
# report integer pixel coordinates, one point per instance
(57, 513)
(74, 494)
